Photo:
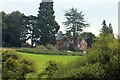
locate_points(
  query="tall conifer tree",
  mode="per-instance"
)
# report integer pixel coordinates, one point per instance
(106, 29)
(75, 23)
(46, 25)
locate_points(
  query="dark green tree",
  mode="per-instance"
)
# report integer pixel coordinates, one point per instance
(4, 26)
(75, 22)
(106, 29)
(29, 24)
(110, 28)
(47, 27)
(12, 28)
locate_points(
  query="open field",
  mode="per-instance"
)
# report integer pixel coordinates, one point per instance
(41, 60)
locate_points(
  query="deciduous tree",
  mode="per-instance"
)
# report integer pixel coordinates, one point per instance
(29, 24)
(12, 28)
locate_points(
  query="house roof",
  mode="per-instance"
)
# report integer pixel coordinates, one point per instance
(60, 35)
(83, 41)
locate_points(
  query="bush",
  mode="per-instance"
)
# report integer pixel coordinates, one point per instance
(63, 71)
(86, 72)
(13, 67)
(101, 63)
(48, 50)
(52, 67)
(51, 47)
(26, 45)
(38, 50)
(41, 47)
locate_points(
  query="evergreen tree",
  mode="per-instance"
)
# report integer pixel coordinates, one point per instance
(47, 27)
(75, 22)
(106, 29)
(110, 28)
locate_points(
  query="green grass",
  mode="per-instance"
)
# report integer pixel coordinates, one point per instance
(41, 60)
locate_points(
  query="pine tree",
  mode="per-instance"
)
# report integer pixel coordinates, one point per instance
(110, 28)
(106, 29)
(47, 26)
(75, 23)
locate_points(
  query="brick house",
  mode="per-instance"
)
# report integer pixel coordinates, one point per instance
(83, 46)
(62, 39)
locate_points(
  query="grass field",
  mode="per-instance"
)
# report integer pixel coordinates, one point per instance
(41, 60)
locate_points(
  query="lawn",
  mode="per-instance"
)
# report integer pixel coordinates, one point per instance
(41, 60)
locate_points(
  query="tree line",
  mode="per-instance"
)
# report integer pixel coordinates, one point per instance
(17, 28)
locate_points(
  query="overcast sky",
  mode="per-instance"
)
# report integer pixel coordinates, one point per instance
(95, 11)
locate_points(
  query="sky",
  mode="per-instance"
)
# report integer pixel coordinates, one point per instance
(95, 11)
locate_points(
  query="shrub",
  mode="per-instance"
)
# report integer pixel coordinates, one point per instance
(52, 67)
(48, 50)
(51, 47)
(38, 50)
(25, 45)
(63, 71)
(86, 72)
(101, 63)
(41, 47)
(13, 67)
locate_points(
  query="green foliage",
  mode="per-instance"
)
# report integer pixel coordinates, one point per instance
(75, 23)
(1, 69)
(48, 50)
(106, 29)
(75, 19)
(86, 72)
(29, 25)
(100, 63)
(63, 72)
(12, 28)
(52, 67)
(15, 68)
(47, 27)
(25, 44)
(89, 38)
(108, 54)
(41, 61)
(71, 47)
(40, 49)
(51, 47)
